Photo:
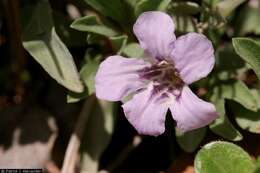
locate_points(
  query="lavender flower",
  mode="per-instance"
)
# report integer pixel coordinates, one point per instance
(161, 82)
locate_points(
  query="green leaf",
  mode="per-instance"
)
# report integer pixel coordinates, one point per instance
(73, 97)
(248, 20)
(99, 128)
(184, 24)
(233, 90)
(133, 50)
(132, 3)
(223, 157)
(239, 92)
(151, 5)
(189, 141)
(69, 36)
(185, 8)
(211, 3)
(90, 24)
(45, 46)
(257, 169)
(256, 94)
(227, 59)
(94, 38)
(227, 6)
(115, 9)
(88, 73)
(118, 43)
(222, 126)
(249, 50)
(245, 118)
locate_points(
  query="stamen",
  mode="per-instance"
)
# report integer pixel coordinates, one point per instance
(164, 75)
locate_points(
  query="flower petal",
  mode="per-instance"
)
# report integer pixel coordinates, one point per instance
(155, 32)
(193, 56)
(118, 76)
(190, 112)
(147, 111)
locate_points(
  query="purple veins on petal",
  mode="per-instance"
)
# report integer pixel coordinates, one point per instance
(146, 111)
(190, 112)
(155, 32)
(162, 83)
(117, 77)
(193, 55)
(162, 74)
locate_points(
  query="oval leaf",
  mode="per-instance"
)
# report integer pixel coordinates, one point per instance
(245, 118)
(90, 24)
(88, 73)
(118, 43)
(223, 157)
(115, 9)
(249, 50)
(42, 42)
(189, 141)
(133, 50)
(239, 92)
(222, 126)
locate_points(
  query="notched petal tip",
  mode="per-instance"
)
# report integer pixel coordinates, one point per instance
(155, 32)
(147, 114)
(141, 127)
(190, 112)
(184, 128)
(193, 55)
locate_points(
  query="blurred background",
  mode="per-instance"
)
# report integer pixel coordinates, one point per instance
(50, 125)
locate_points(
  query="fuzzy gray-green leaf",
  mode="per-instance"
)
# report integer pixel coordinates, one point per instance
(222, 126)
(90, 24)
(45, 46)
(223, 157)
(189, 141)
(249, 50)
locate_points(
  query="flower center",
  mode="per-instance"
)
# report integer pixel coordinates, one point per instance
(164, 76)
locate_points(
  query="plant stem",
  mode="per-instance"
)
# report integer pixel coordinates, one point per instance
(71, 154)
